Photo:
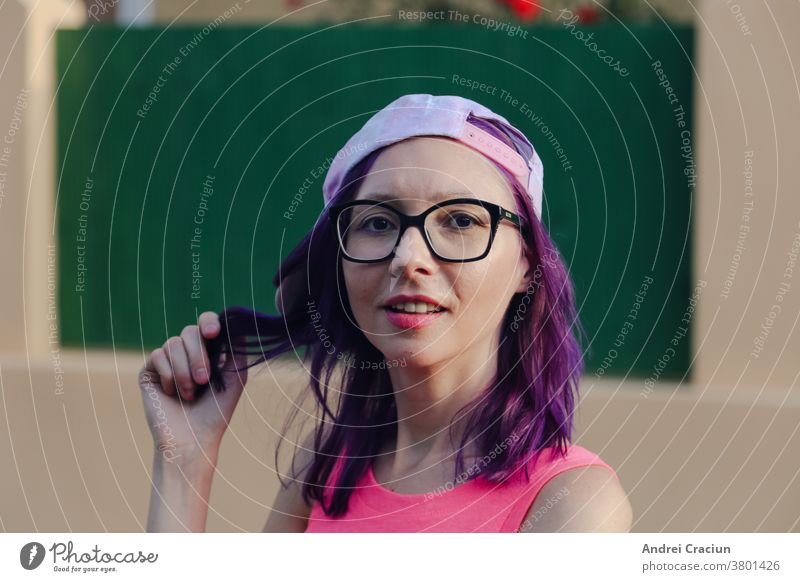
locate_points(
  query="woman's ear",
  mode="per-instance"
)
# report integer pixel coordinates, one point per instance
(524, 267)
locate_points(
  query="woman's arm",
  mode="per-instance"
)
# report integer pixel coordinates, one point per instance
(187, 423)
(289, 512)
(181, 489)
(179, 497)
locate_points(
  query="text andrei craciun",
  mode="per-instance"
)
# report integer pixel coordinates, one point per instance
(690, 549)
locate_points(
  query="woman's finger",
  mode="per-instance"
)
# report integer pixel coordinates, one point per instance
(176, 354)
(208, 321)
(160, 363)
(196, 352)
(148, 374)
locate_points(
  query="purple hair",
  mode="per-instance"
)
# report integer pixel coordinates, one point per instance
(528, 404)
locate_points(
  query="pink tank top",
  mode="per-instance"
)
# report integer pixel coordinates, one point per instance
(470, 506)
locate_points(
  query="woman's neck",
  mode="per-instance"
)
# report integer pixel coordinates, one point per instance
(428, 401)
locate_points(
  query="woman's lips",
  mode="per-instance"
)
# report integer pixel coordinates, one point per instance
(412, 320)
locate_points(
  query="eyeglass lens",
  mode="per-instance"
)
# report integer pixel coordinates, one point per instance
(455, 231)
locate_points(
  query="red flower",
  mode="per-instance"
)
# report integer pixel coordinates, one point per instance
(525, 9)
(587, 14)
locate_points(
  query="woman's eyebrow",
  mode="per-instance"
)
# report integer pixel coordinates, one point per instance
(436, 197)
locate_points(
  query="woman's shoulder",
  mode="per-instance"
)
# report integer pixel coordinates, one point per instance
(553, 458)
(577, 492)
(547, 462)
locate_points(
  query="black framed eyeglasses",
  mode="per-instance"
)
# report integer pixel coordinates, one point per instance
(458, 230)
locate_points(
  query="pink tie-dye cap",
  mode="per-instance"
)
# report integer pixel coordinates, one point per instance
(424, 114)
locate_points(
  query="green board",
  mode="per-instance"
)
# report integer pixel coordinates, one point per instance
(191, 160)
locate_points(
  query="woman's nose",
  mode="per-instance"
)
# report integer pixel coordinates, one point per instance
(411, 253)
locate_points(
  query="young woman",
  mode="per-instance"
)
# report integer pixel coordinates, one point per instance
(430, 298)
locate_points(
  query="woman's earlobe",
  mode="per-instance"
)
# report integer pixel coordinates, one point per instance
(523, 286)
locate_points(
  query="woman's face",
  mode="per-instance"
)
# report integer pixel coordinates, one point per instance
(416, 173)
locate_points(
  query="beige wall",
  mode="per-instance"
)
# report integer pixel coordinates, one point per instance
(12, 202)
(27, 121)
(204, 11)
(749, 100)
(717, 454)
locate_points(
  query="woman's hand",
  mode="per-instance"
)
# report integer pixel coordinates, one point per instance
(183, 421)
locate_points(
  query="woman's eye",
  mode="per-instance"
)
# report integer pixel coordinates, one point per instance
(377, 224)
(462, 221)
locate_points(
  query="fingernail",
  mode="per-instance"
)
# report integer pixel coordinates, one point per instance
(202, 375)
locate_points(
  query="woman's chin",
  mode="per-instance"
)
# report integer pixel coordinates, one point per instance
(410, 355)
(417, 348)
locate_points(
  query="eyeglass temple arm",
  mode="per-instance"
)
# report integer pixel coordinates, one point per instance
(509, 216)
